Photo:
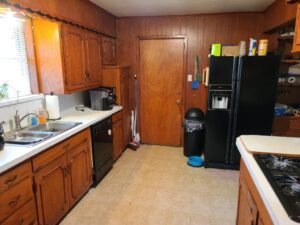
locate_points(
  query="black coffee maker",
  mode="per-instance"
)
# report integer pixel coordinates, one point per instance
(103, 98)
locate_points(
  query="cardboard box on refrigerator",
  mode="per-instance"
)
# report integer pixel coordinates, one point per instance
(230, 50)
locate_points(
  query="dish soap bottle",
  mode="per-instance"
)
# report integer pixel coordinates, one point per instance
(1, 136)
(42, 115)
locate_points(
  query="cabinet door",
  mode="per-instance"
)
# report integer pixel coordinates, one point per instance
(247, 211)
(74, 57)
(125, 86)
(296, 43)
(117, 139)
(79, 170)
(108, 51)
(52, 191)
(93, 59)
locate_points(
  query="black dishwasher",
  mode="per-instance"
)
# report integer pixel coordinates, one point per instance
(102, 148)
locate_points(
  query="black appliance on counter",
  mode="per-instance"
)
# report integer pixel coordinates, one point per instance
(102, 149)
(103, 98)
(241, 100)
(283, 173)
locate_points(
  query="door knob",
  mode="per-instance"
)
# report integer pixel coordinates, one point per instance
(178, 102)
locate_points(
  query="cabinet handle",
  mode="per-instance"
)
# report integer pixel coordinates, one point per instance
(14, 202)
(9, 181)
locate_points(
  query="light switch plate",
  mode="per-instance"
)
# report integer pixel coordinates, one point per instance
(190, 78)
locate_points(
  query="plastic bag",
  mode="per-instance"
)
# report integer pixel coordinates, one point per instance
(192, 125)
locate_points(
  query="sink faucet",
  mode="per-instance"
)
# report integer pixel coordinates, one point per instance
(18, 120)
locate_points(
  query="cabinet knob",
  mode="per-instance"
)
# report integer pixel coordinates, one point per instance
(178, 102)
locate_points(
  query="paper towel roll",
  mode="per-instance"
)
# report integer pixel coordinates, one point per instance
(52, 106)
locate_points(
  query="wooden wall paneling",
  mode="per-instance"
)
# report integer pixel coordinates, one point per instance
(201, 31)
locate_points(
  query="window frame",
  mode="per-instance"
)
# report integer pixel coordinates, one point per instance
(31, 59)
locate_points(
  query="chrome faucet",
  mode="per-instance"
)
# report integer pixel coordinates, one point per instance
(18, 120)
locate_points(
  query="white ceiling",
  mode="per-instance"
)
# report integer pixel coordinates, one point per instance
(124, 8)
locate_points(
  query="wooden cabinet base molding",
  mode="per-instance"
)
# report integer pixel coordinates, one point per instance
(251, 209)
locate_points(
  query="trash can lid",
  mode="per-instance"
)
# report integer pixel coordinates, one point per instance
(194, 114)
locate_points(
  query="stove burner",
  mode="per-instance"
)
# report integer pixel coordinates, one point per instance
(296, 187)
(283, 173)
(278, 163)
(289, 185)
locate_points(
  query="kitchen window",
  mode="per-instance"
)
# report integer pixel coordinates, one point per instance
(15, 69)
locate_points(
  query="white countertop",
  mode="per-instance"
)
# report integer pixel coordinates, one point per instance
(271, 201)
(271, 144)
(12, 155)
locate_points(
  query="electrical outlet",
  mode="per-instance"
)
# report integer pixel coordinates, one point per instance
(189, 77)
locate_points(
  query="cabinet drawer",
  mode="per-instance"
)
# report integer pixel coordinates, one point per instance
(15, 197)
(78, 139)
(117, 116)
(53, 153)
(24, 216)
(14, 176)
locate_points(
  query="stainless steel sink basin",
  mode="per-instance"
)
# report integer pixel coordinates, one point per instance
(55, 127)
(27, 137)
(38, 133)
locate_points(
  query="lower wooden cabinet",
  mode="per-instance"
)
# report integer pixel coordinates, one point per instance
(24, 216)
(62, 179)
(117, 139)
(79, 171)
(17, 202)
(251, 209)
(52, 191)
(247, 209)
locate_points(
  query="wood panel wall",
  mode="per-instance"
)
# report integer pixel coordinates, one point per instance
(201, 32)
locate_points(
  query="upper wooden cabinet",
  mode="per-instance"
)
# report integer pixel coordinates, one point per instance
(278, 14)
(296, 43)
(82, 12)
(68, 58)
(73, 41)
(108, 51)
(93, 58)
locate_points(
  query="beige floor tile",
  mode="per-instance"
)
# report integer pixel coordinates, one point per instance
(154, 186)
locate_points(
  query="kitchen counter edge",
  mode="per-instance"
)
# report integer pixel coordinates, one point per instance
(13, 155)
(270, 199)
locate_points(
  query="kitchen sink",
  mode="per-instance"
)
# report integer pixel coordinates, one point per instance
(27, 137)
(55, 127)
(36, 134)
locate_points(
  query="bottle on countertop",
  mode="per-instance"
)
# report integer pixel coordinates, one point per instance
(42, 115)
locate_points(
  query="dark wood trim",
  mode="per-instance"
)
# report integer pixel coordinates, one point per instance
(184, 72)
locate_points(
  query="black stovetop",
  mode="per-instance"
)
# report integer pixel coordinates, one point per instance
(283, 173)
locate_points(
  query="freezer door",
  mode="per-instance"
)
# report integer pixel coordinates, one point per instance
(221, 70)
(216, 136)
(255, 97)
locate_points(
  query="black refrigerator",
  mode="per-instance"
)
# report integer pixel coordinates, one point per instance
(241, 100)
